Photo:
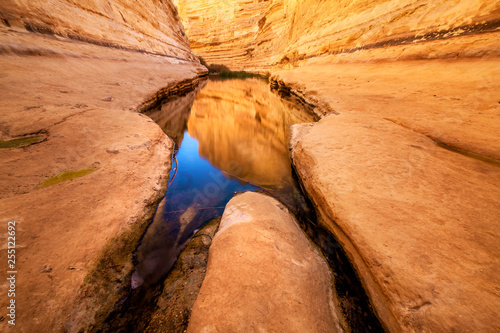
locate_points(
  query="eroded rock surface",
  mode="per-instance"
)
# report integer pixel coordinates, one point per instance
(146, 26)
(80, 85)
(455, 102)
(245, 34)
(263, 274)
(419, 222)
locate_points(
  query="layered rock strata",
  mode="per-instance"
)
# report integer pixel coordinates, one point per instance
(244, 34)
(452, 102)
(81, 198)
(263, 274)
(147, 26)
(409, 92)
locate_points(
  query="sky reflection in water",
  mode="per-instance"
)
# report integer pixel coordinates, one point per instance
(232, 137)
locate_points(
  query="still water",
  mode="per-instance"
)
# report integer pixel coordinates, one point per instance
(230, 136)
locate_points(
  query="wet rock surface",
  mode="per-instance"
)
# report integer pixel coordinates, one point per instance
(167, 306)
(264, 274)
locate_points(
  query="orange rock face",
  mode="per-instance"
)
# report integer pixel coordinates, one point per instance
(403, 169)
(418, 221)
(263, 275)
(148, 26)
(263, 34)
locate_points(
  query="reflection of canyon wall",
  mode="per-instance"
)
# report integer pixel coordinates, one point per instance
(151, 26)
(172, 116)
(240, 33)
(244, 130)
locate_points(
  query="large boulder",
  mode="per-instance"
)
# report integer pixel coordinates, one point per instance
(263, 274)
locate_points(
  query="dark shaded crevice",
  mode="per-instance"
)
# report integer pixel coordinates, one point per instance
(477, 156)
(170, 92)
(165, 306)
(356, 306)
(286, 93)
(24, 140)
(464, 152)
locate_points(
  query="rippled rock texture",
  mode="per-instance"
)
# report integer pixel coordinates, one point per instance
(146, 26)
(262, 34)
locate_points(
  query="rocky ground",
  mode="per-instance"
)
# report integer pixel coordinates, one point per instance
(74, 239)
(404, 170)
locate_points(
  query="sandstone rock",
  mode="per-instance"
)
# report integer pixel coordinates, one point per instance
(419, 222)
(263, 274)
(53, 81)
(243, 34)
(146, 26)
(454, 102)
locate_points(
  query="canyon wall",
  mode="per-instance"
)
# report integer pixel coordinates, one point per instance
(147, 26)
(258, 34)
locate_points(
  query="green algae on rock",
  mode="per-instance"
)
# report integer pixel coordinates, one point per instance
(66, 175)
(22, 141)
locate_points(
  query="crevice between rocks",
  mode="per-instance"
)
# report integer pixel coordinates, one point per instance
(465, 152)
(315, 107)
(359, 310)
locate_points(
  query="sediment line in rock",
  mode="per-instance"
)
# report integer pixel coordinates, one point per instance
(286, 33)
(453, 148)
(85, 39)
(318, 107)
(150, 26)
(172, 90)
(456, 32)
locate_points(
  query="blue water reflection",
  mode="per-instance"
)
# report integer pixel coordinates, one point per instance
(196, 184)
(232, 136)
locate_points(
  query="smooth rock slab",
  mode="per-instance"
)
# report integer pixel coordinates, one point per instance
(85, 229)
(419, 222)
(263, 274)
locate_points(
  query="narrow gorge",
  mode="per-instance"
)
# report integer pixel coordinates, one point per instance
(372, 125)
